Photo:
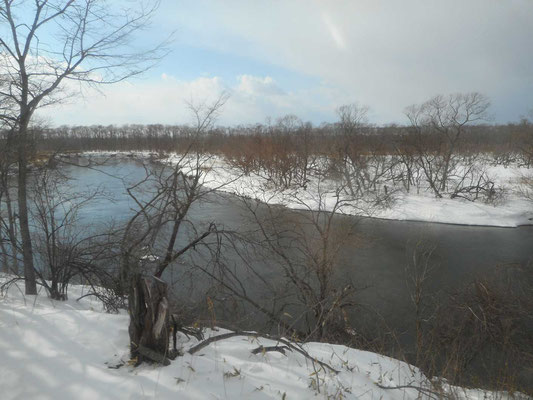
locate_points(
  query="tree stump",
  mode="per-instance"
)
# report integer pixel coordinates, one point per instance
(148, 308)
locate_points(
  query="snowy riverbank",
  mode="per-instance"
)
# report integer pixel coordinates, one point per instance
(511, 211)
(73, 350)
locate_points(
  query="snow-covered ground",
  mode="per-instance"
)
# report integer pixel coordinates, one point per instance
(71, 350)
(514, 210)
(511, 212)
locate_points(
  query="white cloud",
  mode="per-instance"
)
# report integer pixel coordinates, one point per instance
(161, 101)
(386, 53)
(254, 85)
(252, 99)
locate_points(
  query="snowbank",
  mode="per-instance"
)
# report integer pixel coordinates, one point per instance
(73, 350)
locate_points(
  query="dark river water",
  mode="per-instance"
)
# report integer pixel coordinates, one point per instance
(376, 259)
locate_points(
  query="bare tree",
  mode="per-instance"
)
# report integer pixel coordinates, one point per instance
(160, 230)
(439, 124)
(306, 249)
(46, 43)
(352, 122)
(288, 270)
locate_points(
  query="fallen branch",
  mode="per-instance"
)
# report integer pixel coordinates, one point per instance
(290, 345)
(263, 349)
(213, 339)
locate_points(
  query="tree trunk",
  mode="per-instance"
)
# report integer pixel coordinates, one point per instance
(148, 308)
(5, 261)
(445, 172)
(12, 233)
(55, 293)
(27, 251)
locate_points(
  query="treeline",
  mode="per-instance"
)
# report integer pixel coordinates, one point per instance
(256, 140)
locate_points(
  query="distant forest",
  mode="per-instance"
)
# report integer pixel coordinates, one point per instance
(288, 135)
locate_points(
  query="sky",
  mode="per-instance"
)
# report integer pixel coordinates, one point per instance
(308, 57)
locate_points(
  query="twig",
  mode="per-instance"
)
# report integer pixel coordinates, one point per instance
(422, 390)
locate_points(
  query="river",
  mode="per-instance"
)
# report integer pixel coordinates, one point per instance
(375, 259)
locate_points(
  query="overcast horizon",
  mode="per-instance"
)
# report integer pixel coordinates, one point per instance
(309, 57)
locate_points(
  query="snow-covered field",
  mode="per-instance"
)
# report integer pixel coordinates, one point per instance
(71, 350)
(514, 210)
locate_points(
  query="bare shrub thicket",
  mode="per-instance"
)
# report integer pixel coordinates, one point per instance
(439, 152)
(478, 334)
(484, 332)
(65, 248)
(409, 174)
(282, 154)
(522, 146)
(364, 170)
